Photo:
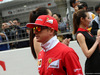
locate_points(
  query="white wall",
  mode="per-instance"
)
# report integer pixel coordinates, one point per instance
(21, 61)
(18, 62)
(79, 52)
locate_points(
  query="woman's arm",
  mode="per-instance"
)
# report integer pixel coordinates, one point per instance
(82, 43)
(98, 34)
(37, 46)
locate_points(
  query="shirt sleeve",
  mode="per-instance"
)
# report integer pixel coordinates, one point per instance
(72, 64)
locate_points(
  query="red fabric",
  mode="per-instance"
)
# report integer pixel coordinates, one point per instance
(53, 61)
(81, 29)
(45, 20)
(1, 0)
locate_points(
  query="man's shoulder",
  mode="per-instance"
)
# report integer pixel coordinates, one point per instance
(65, 48)
(41, 51)
(40, 54)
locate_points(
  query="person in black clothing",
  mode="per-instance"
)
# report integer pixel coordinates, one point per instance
(20, 34)
(96, 21)
(88, 43)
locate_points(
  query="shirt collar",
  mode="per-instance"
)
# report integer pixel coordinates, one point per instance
(81, 29)
(50, 44)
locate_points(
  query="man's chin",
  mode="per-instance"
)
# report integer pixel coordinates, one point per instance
(38, 40)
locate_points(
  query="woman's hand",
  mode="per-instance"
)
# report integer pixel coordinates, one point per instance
(98, 36)
(98, 32)
(98, 39)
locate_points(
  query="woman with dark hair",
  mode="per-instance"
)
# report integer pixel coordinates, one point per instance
(33, 16)
(88, 43)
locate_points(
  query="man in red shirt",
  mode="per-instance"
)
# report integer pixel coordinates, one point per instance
(55, 58)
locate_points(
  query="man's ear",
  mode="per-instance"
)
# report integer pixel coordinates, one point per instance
(52, 31)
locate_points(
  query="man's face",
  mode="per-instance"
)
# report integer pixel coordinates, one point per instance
(4, 25)
(56, 17)
(42, 34)
(16, 22)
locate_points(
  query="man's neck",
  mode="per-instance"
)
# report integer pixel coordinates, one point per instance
(50, 44)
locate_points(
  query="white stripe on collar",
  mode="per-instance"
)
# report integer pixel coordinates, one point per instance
(50, 44)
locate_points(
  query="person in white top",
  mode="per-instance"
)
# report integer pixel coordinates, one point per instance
(73, 5)
(96, 21)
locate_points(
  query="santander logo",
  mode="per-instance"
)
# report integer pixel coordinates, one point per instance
(2, 64)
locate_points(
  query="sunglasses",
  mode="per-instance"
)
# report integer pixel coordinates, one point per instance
(39, 28)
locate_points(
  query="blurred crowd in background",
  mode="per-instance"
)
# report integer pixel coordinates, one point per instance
(14, 35)
(12, 31)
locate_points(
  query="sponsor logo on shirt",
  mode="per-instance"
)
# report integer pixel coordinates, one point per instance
(52, 63)
(39, 62)
(49, 60)
(78, 69)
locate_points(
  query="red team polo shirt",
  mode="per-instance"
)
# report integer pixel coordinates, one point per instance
(58, 59)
